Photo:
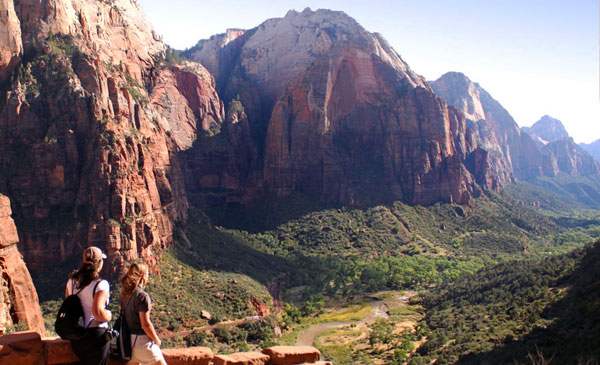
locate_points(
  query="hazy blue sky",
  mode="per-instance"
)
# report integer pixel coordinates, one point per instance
(534, 57)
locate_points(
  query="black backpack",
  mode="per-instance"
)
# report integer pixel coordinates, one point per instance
(70, 324)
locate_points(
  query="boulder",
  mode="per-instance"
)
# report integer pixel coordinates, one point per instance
(292, 354)
(242, 358)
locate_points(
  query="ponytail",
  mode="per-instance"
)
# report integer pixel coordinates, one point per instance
(132, 278)
(83, 276)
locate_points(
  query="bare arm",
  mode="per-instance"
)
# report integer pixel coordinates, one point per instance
(98, 310)
(67, 290)
(148, 327)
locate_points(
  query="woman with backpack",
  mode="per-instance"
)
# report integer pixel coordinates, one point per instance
(135, 307)
(93, 292)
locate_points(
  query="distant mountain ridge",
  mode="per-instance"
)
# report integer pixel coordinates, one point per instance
(494, 126)
(553, 151)
(592, 148)
(546, 130)
(560, 153)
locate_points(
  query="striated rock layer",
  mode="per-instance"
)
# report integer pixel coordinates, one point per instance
(92, 116)
(334, 112)
(18, 298)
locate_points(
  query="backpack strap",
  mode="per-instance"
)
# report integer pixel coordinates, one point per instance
(73, 288)
(93, 294)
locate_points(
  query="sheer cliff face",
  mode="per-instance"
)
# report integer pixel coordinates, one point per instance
(91, 119)
(565, 156)
(512, 152)
(336, 113)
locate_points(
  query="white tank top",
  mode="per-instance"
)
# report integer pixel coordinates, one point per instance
(87, 300)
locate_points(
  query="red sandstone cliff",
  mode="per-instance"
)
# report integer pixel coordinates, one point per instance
(18, 297)
(92, 116)
(334, 112)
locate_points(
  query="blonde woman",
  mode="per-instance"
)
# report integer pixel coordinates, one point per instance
(93, 292)
(135, 306)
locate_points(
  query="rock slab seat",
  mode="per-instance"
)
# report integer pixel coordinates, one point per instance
(59, 351)
(292, 354)
(242, 358)
(188, 356)
(22, 348)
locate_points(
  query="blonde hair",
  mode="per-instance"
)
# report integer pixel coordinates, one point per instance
(132, 278)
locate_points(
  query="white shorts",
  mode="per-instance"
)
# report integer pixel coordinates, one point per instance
(145, 351)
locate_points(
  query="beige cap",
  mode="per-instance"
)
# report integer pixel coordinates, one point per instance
(93, 254)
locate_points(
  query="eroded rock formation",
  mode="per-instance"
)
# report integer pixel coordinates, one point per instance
(92, 116)
(334, 112)
(512, 152)
(559, 152)
(18, 298)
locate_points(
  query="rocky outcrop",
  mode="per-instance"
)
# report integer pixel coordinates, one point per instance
(186, 103)
(11, 46)
(18, 298)
(559, 151)
(592, 148)
(546, 130)
(334, 112)
(90, 126)
(512, 152)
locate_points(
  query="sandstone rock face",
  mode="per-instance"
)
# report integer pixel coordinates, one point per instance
(18, 297)
(334, 112)
(187, 104)
(511, 151)
(208, 51)
(11, 46)
(90, 128)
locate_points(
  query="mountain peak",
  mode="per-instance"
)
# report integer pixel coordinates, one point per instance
(459, 91)
(280, 49)
(547, 129)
